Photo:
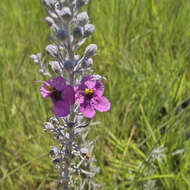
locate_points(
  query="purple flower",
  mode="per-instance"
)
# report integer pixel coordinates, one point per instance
(61, 94)
(90, 96)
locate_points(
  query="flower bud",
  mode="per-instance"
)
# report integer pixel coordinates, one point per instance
(87, 62)
(52, 14)
(84, 151)
(59, 137)
(88, 30)
(91, 50)
(82, 19)
(56, 161)
(33, 56)
(56, 67)
(77, 32)
(52, 50)
(49, 21)
(48, 126)
(54, 120)
(65, 13)
(53, 151)
(68, 65)
(61, 35)
(49, 3)
(36, 58)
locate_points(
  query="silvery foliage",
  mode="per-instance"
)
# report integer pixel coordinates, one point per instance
(70, 29)
(150, 184)
(158, 154)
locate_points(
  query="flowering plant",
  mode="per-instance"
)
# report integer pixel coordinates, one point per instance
(89, 95)
(76, 94)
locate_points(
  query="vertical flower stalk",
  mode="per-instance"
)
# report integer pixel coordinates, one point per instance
(76, 93)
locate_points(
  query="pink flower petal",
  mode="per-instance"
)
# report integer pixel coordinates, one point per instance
(44, 92)
(101, 104)
(61, 109)
(88, 81)
(79, 98)
(58, 83)
(87, 110)
(68, 95)
(99, 88)
(76, 88)
(79, 94)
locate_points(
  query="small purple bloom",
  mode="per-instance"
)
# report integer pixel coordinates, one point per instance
(61, 94)
(90, 96)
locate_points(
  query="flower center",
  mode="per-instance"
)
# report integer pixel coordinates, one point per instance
(88, 92)
(55, 94)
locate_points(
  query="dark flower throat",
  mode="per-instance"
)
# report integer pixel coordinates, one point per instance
(56, 95)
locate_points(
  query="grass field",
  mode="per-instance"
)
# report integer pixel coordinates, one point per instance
(144, 52)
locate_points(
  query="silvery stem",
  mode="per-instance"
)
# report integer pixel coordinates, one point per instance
(68, 158)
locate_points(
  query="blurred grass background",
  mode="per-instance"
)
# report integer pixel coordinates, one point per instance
(144, 52)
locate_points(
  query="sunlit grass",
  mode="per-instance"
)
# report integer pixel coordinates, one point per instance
(144, 52)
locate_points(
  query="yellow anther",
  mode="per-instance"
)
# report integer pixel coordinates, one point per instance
(88, 91)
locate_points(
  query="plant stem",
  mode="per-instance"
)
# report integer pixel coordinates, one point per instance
(68, 157)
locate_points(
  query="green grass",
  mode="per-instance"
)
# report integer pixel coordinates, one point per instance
(144, 52)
